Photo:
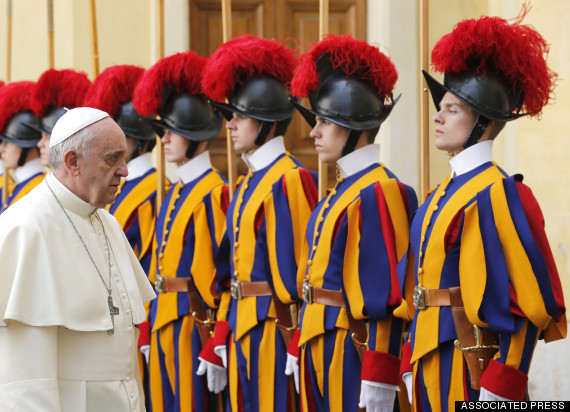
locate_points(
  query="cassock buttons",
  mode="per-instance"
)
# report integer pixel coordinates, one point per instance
(420, 271)
(442, 193)
(435, 208)
(326, 205)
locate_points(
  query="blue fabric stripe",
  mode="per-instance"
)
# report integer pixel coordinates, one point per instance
(374, 270)
(528, 349)
(531, 248)
(495, 307)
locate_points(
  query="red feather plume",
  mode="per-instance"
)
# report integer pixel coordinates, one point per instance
(244, 57)
(349, 55)
(14, 98)
(181, 72)
(518, 51)
(58, 88)
(113, 87)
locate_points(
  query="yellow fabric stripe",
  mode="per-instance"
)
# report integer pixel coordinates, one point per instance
(520, 270)
(266, 370)
(383, 333)
(203, 269)
(233, 376)
(271, 227)
(351, 279)
(154, 376)
(185, 366)
(336, 372)
(456, 388)
(135, 197)
(27, 188)
(317, 351)
(219, 218)
(225, 298)
(167, 346)
(430, 364)
(147, 222)
(299, 206)
(406, 309)
(302, 381)
(397, 208)
(518, 340)
(472, 278)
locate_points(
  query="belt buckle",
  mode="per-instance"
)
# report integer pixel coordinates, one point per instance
(236, 290)
(307, 291)
(159, 285)
(420, 297)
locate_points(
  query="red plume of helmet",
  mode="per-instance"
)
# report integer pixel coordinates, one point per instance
(243, 57)
(58, 88)
(180, 73)
(518, 51)
(113, 87)
(14, 98)
(351, 56)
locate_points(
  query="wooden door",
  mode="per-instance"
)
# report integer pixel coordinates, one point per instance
(282, 19)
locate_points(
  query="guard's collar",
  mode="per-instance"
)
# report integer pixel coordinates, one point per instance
(31, 168)
(265, 155)
(472, 157)
(359, 160)
(139, 166)
(194, 168)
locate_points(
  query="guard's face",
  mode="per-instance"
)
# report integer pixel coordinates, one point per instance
(330, 139)
(453, 123)
(243, 131)
(175, 147)
(10, 154)
(101, 171)
(43, 145)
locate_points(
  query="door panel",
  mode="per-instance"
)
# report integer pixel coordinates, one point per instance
(284, 19)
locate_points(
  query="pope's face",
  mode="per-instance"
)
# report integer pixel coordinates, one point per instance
(10, 154)
(330, 139)
(101, 171)
(243, 131)
(43, 145)
(453, 123)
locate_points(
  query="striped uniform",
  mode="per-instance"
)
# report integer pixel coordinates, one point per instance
(189, 227)
(354, 240)
(33, 175)
(266, 221)
(482, 231)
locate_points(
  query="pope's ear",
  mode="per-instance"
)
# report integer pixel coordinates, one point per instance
(70, 162)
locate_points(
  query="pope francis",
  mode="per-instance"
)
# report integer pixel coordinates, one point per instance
(72, 290)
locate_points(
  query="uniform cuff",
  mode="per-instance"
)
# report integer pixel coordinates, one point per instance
(209, 355)
(144, 336)
(293, 348)
(505, 381)
(221, 332)
(380, 367)
(405, 365)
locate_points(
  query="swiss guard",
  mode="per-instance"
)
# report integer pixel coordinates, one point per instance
(189, 228)
(265, 222)
(54, 93)
(18, 149)
(350, 341)
(481, 283)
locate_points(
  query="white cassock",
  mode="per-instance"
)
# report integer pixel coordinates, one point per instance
(55, 350)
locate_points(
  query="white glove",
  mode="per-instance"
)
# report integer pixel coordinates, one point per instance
(216, 375)
(408, 379)
(376, 397)
(485, 395)
(221, 351)
(292, 368)
(145, 349)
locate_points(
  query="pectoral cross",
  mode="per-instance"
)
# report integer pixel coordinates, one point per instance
(113, 310)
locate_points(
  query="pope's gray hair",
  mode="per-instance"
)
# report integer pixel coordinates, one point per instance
(79, 141)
